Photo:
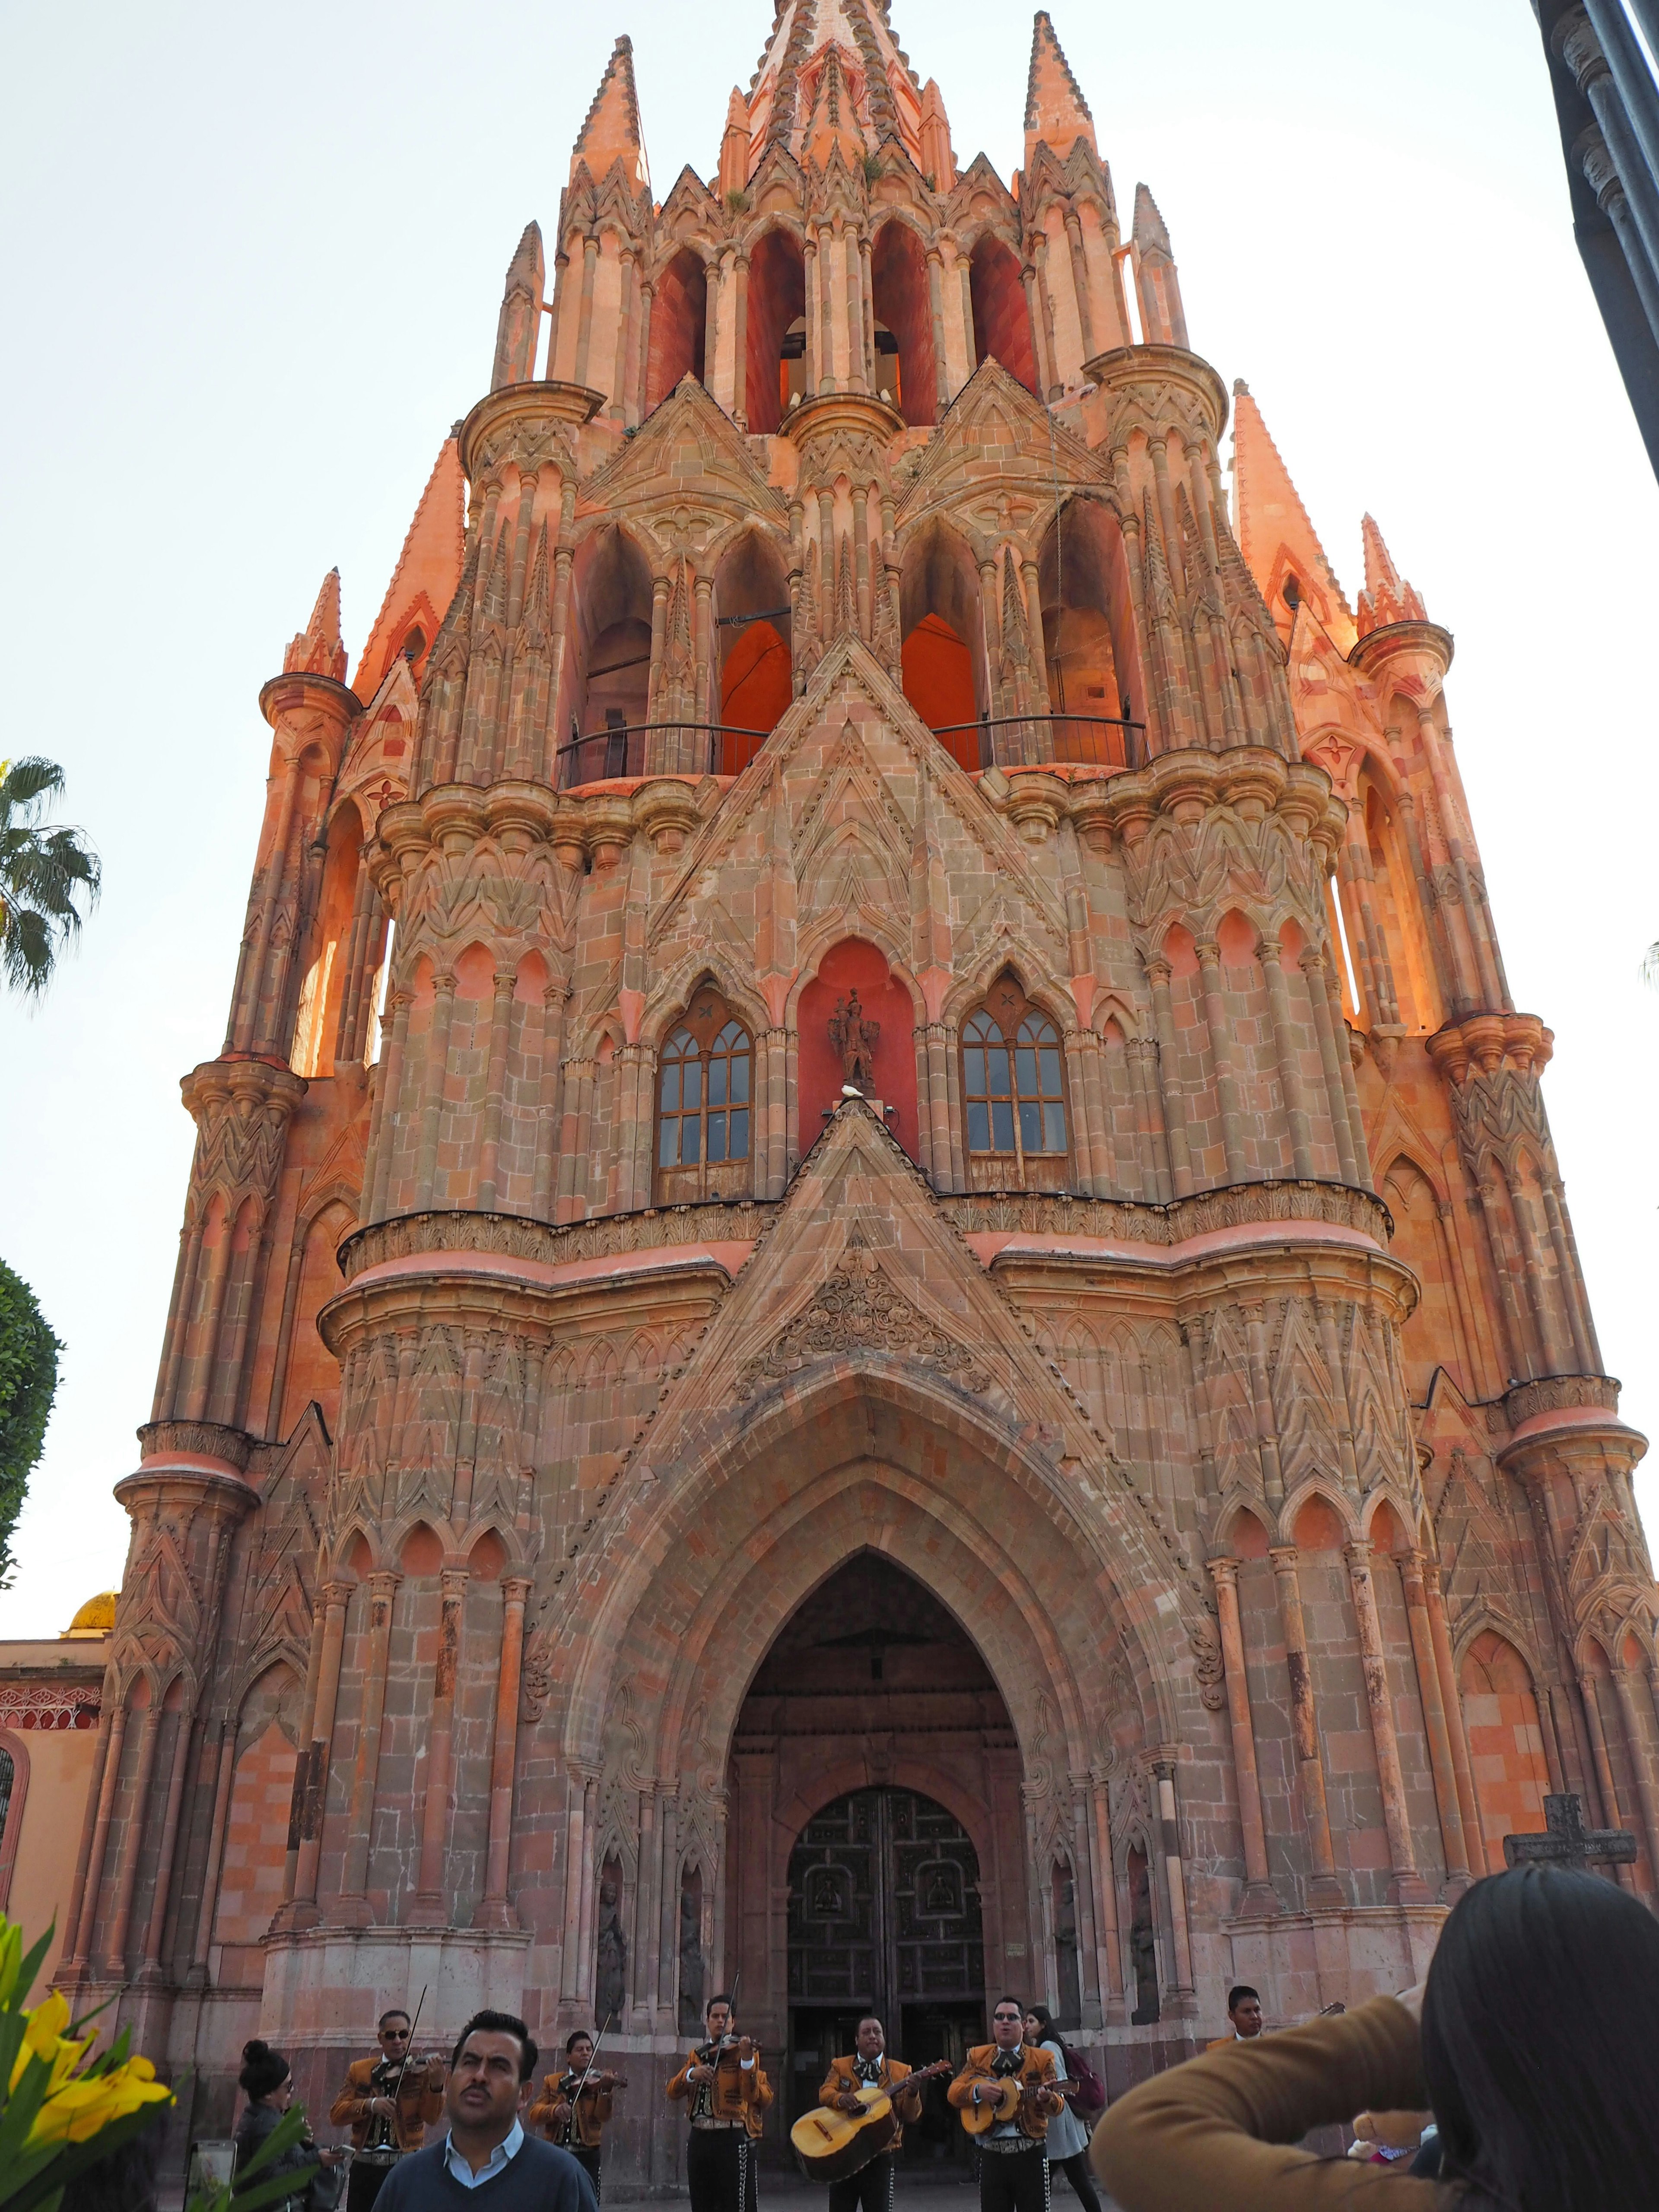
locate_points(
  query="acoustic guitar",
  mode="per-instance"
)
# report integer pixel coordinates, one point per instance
(832, 2144)
(979, 2119)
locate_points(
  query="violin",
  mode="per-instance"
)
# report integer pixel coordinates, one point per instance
(711, 2054)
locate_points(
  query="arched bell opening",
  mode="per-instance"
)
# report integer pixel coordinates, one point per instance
(943, 654)
(608, 702)
(874, 1749)
(753, 638)
(775, 344)
(679, 320)
(1087, 636)
(1002, 314)
(905, 359)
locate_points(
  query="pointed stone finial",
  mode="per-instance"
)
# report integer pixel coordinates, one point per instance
(520, 322)
(317, 651)
(834, 121)
(424, 581)
(612, 130)
(937, 161)
(1162, 321)
(1386, 597)
(734, 145)
(1056, 113)
(1275, 536)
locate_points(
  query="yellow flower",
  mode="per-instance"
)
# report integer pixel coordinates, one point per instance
(44, 2039)
(79, 2109)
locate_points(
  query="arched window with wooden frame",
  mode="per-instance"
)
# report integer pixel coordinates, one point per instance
(705, 1090)
(1014, 1093)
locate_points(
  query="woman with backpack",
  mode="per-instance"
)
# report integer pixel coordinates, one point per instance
(1067, 2140)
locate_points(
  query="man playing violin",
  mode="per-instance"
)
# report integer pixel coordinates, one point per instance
(725, 2092)
(871, 2189)
(1013, 2175)
(388, 2103)
(575, 2106)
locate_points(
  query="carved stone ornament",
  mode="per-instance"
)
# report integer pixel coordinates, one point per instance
(858, 1309)
(1206, 1659)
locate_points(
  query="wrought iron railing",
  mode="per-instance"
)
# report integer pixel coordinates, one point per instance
(719, 749)
(1073, 740)
(696, 748)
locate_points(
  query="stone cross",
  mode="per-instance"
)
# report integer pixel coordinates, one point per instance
(1567, 1842)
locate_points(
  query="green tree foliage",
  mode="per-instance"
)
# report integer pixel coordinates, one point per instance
(28, 1384)
(45, 868)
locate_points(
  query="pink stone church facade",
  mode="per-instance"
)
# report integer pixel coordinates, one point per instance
(874, 1290)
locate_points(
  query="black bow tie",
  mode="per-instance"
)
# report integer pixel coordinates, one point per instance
(1008, 2062)
(868, 2069)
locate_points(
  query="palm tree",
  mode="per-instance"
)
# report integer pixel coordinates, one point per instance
(43, 867)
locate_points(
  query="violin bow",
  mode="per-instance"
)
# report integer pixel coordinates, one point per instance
(592, 2056)
(398, 2087)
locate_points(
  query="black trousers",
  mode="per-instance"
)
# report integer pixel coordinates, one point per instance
(869, 2190)
(1076, 2171)
(720, 2170)
(365, 2185)
(589, 2161)
(1014, 2181)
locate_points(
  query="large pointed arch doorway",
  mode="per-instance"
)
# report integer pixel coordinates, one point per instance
(878, 1859)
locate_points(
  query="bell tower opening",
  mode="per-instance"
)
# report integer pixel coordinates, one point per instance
(878, 1835)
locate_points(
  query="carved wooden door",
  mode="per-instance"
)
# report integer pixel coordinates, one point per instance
(884, 1907)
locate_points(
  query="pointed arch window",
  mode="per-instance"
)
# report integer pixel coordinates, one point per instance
(1013, 1093)
(704, 1093)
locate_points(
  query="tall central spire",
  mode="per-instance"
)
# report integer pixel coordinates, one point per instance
(852, 39)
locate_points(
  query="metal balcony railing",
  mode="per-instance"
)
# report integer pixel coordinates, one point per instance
(1077, 740)
(719, 749)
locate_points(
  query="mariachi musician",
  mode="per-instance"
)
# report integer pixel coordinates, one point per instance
(388, 2103)
(726, 2093)
(871, 2188)
(575, 2106)
(1012, 2088)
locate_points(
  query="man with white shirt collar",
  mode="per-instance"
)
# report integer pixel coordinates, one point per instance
(486, 2162)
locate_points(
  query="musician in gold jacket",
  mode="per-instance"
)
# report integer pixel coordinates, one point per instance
(871, 2189)
(388, 2103)
(726, 2092)
(1013, 2175)
(575, 2107)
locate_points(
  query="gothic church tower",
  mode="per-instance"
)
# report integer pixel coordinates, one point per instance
(874, 1289)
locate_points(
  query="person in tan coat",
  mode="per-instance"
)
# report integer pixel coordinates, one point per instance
(388, 2103)
(1537, 2052)
(1013, 2172)
(868, 2066)
(575, 2106)
(724, 2090)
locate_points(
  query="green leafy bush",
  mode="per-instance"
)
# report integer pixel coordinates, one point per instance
(28, 1384)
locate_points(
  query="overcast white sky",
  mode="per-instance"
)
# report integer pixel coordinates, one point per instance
(250, 266)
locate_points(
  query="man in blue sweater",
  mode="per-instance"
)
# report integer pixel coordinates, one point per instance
(487, 2163)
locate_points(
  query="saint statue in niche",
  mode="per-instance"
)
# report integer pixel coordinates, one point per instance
(691, 1952)
(856, 1039)
(610, 1975)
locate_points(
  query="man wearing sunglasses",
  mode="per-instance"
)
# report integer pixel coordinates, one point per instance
(388, 2103)
(1006, 2072)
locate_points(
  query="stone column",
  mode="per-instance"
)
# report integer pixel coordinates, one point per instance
(1170, 1839)
(337, 1596)
(209, 1904)
(1221, 1060)
(1408, 1887)
(1080, 282)
(352, 1910)
(1611, 1814)
(1285, 1058)
(1313, 967)
(575, 1880)
(809, 252)
(1259, 1895)
(936, 310)
(495, 1909)
(384, 1142)
(1624, 1684)
(1324, 1890)
(1452, 1839)
(590, 1883)
(92, 1880)
(500, 1016)
(1174, 1112)
(158, 1904)
(115, 1962)
(585, 310)
(431, 1904)
(432, 1103)
(547, 1097)
(624, 405)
